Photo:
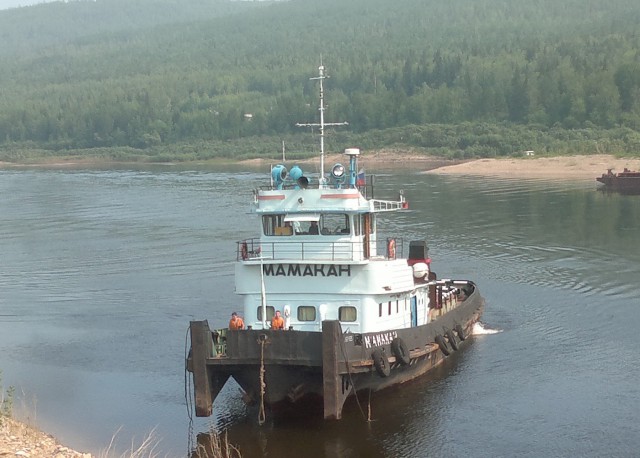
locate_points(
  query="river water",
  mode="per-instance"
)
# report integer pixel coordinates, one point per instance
(101, 271)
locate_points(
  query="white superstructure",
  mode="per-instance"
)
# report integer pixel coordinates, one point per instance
(318, 259)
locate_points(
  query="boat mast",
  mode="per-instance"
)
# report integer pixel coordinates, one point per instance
(263, 295)
(322, 124)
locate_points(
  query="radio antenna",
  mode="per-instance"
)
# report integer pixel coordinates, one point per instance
(321, 77)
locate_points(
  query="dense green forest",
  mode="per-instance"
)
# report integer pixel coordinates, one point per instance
(177, 79)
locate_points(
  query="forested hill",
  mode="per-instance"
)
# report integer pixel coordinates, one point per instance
(40, 27)
(463, 78)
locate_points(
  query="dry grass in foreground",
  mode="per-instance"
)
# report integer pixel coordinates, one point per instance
(214, 445)
(20, 440)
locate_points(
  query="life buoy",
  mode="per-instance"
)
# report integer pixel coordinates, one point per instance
(400, 351)
(244, 251)
(391, 249)
(451, 337)
(459, 331)
(443, 345)
(381, 363)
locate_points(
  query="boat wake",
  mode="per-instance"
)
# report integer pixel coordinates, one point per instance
(480, 329)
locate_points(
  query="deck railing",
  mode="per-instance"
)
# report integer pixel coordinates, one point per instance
(289, 250)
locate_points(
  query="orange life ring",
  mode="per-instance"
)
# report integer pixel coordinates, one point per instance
(244, 251)
(391, 249)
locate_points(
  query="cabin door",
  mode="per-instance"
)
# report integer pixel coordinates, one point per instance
(367, 235)
(414, 311)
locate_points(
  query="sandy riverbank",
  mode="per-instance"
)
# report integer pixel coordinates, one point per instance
(21, 440)
(582, 167)
(549, 168)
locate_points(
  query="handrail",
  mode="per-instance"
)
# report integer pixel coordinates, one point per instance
(298, 250)
(386, 205)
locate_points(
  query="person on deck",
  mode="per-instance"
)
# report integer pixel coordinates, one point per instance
(236, 322)
(313, 229)
(277, 322)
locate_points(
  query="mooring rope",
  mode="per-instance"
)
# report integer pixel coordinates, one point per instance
(355, 392)
(188, 395)
(263, 385)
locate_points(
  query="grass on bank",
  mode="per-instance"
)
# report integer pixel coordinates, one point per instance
(210, 445)
(215, 445)
(6, 401)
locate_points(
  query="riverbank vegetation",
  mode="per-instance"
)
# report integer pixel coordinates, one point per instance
(20, 439)
(165, 80)
(6, 401)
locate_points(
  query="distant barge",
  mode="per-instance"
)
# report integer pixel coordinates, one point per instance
(625, 182)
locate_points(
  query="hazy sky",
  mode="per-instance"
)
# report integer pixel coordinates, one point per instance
(4, 4)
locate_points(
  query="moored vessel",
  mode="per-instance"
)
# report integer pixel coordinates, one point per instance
(358, 315)
(625, 182)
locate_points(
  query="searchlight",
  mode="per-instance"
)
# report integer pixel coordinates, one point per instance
(278, 175)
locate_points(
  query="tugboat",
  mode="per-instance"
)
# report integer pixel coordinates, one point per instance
(625, 182)
(358, 316)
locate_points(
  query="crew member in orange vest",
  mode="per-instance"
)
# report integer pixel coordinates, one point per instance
(277, 322)
(236, 322)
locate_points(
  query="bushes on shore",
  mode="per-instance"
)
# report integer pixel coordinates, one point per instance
(6, 400)
(462, 141)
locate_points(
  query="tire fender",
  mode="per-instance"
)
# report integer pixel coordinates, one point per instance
(400, 351)
(443, 345)
(451, 337)
(381, 363)
(460, 331)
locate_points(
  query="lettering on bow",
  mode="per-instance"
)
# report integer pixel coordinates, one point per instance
(380, 339)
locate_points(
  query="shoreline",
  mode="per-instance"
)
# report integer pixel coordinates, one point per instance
(20, 439)
(575, 167)
(546, 168)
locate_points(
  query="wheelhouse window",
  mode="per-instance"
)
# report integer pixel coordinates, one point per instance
(335, 224)
(292, 224)
(306, 313)
(347, 313)
(357, 223)
(311, 224)
(270, 312)
(276, 225)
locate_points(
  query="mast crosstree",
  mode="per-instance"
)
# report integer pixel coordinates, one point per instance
(321, 77)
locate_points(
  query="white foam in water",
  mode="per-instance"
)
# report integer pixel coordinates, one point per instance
(480, 329)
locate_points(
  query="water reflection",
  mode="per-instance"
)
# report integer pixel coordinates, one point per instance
(375, 425)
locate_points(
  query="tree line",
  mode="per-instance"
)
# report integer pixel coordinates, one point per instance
(466, 78)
